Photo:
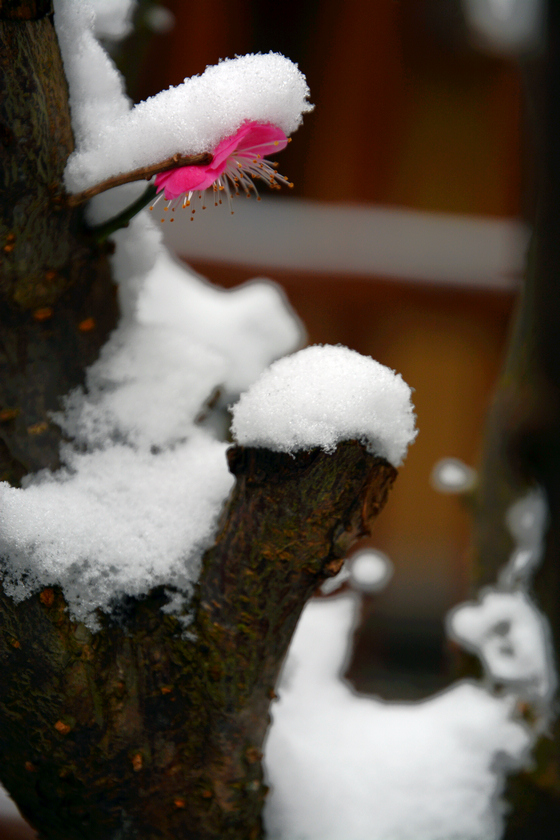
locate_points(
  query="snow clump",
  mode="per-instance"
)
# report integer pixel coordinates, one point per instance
(116, 521)
(511, 637)
(323, 395)
(431, 770)
(193, 117)
(113, 18)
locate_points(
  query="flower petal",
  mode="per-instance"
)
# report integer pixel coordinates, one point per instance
(183, 179)
(229, 144)
(251, 139)
(267, 139)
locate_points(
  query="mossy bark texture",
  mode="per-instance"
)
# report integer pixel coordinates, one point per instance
(137, 732)
(523, 435)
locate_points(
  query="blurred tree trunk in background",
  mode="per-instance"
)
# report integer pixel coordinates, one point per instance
(523, 435)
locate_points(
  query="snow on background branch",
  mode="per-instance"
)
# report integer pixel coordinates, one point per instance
(432, 770)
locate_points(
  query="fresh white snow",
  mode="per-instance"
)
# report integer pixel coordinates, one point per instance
(370, 570)
(113, 18)
(511, 637)
(322, 395)
(192, 117)
(451, 475)
(344, 766)
(504, 626)
(116, 521)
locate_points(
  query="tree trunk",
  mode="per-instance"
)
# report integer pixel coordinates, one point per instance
(137, 731)
(57, 300)
(523, 434)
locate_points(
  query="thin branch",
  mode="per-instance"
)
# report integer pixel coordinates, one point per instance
(144, 173)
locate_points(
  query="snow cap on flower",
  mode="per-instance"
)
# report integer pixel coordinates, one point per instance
(194, 117)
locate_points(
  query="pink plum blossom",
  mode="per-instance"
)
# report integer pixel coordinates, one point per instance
(236, 163)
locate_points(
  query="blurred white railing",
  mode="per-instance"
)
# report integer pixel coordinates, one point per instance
(352, 239)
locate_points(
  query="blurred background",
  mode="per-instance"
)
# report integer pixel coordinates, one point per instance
(403, 238)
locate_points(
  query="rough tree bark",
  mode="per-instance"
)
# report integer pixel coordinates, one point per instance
(523, 433)
(57, 300)
(135, 731)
